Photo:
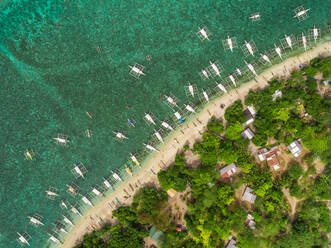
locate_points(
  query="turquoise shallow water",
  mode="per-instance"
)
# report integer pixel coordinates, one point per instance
(59, 59)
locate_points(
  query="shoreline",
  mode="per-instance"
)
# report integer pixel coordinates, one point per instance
(186, 134)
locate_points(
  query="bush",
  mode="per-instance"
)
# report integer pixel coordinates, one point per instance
(295, 171)
(215, 126)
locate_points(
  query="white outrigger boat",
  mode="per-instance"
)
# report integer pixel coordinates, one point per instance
(221, 87)
(249, 48)
(301, 13)
(136, 70)
(66, 220)
(205, 95)
(59, 227)
(149, 118)
(251, 68)
(61, 139)
(116, 176)
(97, 192)
(288, 41)
(107, 184)
(76, 211)
(87, 201)
(233, 80)
(190, 89)
(170, 100)
(166, 125)
(29, 154)
(238, 71)
(304, 41)
(51, 193)
(205, 73)
(265, 58)
(54, 240)
(134, 159)
(203, 34)
(158, 136)
(120, 135)
(229, 41)
(278, 51)
(179, 117)
(255, 17)
(23, 239)
(36, 220)
(215, 68)
(63, 205)
(189, 108)
(315, 33)
(78, 171)
(149, 147)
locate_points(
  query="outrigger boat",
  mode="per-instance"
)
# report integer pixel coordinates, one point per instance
(120, 135)
(75, 211)
(203, 33)
(61, 139)
(134, 159)
(107, 184)
(35, 220)
(87, 201)
(300, 13)
(288, 41)
(149, 118)
(278, 51)
(117, 177)
(229, 41)
(238, 71)
(191, 90)
(204, 93)
(166, 125)
(179, 117)
(315, 33)
(66, 220)
(22, 239)
(266, 58)
(63, 204)
(128, 170)
(88, 133)
(136, 70)
(158, 136)
(89, 115)
(249, 48)
(255, 16)
(78, 171)
(171, 100)
(215, 68)
(189, 108)
(72, 189)
(233, 80)
(59, 227)
(149, 147)
(51, 192)
(54, 240)
(131, 123)
(29, 154)
(205, 73)
(251, 68)
(221, 87)
(97, 192)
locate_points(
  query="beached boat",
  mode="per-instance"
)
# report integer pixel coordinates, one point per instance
(75, 211)
(152, 148)
(265, 58)
(128, 170)
(288, 41)
(66, 220)
(97, 192)
(238, 71)
(158, 136)
(116, 176)
(189, 108)
(54, 240)
(315, 33)
(251, 68)
(87, 201)
(134, 159)
(179, 117)
(221, 87)
(233, 80)
(166, 125)
(107, 184)
(205, 95)
(304, 41)
(278, 51)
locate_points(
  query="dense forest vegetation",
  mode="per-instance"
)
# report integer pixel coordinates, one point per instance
(215, 210)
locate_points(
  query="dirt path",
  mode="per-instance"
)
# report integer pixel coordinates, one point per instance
(292, 201)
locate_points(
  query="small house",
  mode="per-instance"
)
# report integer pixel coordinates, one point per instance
(295, 148)
(250, 114)
(232, 243)
(250, 221)
(247, 133)
(277, 94)
(228, 170)
(248, 196)
(270, 156)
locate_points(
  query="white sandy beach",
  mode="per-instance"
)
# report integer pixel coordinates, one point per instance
(187, 134)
